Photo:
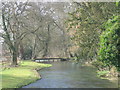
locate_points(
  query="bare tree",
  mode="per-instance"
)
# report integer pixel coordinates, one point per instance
(13, 25)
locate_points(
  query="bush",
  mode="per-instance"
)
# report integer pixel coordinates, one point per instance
(110, 43)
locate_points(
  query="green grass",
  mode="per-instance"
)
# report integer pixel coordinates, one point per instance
(24, 74)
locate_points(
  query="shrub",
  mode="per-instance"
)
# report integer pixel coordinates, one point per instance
(110, 43)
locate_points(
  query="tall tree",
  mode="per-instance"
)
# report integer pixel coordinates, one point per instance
(85, 24)
(14, 26)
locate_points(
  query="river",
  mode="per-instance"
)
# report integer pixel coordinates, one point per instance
(71, 75)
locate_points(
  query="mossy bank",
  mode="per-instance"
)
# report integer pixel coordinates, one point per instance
(24, 74)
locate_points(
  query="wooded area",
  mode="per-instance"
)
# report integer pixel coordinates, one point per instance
(82, 31)
(34, 29)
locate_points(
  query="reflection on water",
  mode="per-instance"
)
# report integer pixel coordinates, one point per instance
(70, 75)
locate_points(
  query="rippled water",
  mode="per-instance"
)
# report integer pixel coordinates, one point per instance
(70, 75)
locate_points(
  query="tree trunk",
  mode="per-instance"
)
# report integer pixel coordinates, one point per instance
(46, 50)
(47, 43)
(21, 51)
(15, 54)
(34, 48)
(14, 58)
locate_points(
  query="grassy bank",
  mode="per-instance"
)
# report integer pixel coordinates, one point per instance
(15, 77)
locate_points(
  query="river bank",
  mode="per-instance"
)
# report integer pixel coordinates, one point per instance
(24, 74)
(111, 74)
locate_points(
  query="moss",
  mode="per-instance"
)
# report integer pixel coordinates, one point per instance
(22, 75)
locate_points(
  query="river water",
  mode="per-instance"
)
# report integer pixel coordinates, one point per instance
(71, 75)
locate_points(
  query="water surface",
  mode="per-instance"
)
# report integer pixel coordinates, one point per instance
(70, 75)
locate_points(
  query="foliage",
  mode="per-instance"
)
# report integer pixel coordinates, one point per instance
(110, 42)
(84, 26)
(15, 78)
